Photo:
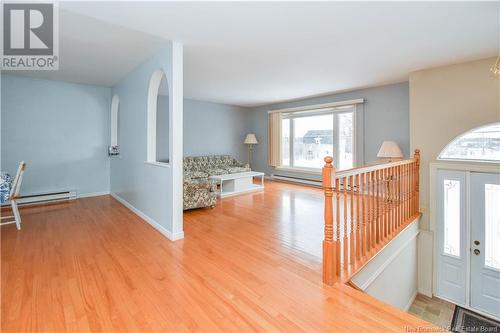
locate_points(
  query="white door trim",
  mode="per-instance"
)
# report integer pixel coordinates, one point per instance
(433, 170)
(434, 167)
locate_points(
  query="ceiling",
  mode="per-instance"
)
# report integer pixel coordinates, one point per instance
(255, 53)
(92, 51)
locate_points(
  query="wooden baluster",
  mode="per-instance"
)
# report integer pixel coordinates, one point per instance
(390, 202)
(402, 186)
(378, 225)
(381, 208)
(351, 224)
(396, 183)
(374, 208)
(337, 227)
(408, 191)
(384, 202)
(411, 189)
(403, 195)
(394, 197)
(346, 239)
(368, 212)
(372, 211)
(329, 247)
(403, 192)
(358, 222)
(417, 176)
(363, 215)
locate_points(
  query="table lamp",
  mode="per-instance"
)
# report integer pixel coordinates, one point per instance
(250, 140)
(390, 151)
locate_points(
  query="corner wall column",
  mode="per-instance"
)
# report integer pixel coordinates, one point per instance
(176, 142)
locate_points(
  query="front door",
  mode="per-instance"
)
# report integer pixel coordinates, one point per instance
(485, 242)
(468, 239)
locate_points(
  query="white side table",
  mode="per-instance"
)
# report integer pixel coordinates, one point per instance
(238, 183)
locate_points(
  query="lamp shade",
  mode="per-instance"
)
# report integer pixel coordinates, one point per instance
(251, 139)
(389, 149)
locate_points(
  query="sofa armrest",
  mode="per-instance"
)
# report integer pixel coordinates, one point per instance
(191, 185)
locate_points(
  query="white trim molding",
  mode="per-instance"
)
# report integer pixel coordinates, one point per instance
(320, 106)
(158, 164)
(92, 194)
(171, 236)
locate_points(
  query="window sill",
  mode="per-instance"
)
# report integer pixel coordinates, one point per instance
(158, 164)
(300, 170)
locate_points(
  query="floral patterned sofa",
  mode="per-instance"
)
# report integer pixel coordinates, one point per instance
(199, 191)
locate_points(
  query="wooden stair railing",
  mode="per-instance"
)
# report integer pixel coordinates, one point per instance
(364, 209)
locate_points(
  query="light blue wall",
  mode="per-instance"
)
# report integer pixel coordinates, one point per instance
(384, 116)
(146, 187)
(212, 128)
(60, 129)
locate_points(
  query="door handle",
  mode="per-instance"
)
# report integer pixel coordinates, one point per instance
(477, 252)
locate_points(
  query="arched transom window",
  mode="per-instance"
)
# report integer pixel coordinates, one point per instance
(479, 144)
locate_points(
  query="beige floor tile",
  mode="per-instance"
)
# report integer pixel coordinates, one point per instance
(433, 310)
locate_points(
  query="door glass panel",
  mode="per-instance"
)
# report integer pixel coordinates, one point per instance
(492, 225)
(452, 217)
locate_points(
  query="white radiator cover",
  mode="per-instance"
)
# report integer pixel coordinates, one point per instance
(47, 197)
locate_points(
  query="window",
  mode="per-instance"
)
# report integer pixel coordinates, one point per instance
(452, 217)
(308, 136)
(480, 144)
(158, 133)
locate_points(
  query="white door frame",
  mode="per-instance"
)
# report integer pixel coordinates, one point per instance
(467, 167)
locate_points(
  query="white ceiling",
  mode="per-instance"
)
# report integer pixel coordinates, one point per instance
(254, 53)
(96, 52)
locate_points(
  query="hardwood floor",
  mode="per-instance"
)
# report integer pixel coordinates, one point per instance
(251, 264)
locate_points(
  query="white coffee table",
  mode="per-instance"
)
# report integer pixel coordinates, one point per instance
(238, 183)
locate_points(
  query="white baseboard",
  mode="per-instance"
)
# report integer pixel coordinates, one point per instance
(171, 236)
(410, 302)
(92, 194)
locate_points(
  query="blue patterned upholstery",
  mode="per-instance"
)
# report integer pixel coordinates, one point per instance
(5, 186)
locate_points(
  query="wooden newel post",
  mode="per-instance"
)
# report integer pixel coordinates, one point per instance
(417, 179)
(329, 255)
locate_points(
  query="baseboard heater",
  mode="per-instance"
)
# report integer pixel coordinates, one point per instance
(32, 199)
(292, 179)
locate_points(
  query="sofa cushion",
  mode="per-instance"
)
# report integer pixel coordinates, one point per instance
(217, 172)
(195, 174)
(238, 169)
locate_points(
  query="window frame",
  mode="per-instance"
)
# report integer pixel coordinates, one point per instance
(467, 160)
(335, 110)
